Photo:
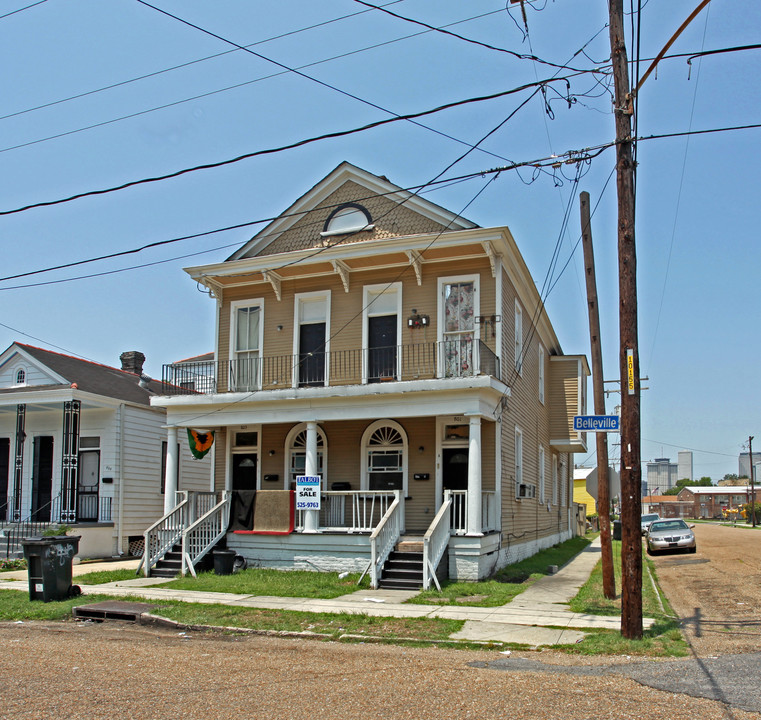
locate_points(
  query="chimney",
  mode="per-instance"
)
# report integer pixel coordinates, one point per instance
(132, 361)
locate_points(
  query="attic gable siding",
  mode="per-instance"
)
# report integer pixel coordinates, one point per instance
(390, 219)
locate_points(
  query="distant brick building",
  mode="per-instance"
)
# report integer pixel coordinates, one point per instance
(709, 502)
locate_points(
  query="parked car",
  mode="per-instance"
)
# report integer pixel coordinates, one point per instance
(647, 519)
(666, 535)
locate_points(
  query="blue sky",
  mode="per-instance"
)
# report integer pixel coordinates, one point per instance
(697, 230)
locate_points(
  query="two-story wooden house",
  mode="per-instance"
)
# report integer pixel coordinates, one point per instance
(401, 354)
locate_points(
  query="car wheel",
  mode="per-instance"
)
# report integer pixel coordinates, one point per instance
(693, 549)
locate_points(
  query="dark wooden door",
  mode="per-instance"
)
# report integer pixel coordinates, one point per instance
(244, 471)
(312, 354)
(88, 484)
(5, 464)
(42, 478)
(381, 359)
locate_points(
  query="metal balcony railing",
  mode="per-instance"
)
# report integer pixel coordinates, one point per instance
(450, 358)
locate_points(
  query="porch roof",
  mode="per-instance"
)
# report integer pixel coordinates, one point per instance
(481, 396)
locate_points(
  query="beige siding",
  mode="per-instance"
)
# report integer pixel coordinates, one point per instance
(527, 519)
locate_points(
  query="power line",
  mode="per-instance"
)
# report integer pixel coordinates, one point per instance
(281, 148)
(568, 157)
(236, 86)
(234, 50)
(13, 12)
(519, 56)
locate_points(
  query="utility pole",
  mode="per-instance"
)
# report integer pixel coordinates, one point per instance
(752, 483)
(631, 468)
(603, 487)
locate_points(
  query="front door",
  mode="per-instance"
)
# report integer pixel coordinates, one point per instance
(42, 478)
(312, 354)
(87, 486)
(381, 361)
(455, 477)
(244, 471)
(5, 463)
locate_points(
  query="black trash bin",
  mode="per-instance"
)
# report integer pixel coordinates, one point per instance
(224, 561)
(49, 561)
(616, 529)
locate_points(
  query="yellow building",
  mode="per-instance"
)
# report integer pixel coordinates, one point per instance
(580, 494)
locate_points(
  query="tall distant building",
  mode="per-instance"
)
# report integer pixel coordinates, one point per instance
(661, 475)
(684, 461)
(744, 464)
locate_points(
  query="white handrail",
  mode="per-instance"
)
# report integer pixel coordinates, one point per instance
(163, 535)
(202, 535)
(384, 538)
(435, 542)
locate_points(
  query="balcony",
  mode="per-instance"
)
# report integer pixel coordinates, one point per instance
(400, 363)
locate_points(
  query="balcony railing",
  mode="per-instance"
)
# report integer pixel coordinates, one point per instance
(450, 358)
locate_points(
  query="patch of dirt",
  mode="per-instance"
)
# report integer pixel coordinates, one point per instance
(717, 593)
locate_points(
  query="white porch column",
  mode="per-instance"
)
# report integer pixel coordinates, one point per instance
(474, 526)
(170, 478)
(311, 517)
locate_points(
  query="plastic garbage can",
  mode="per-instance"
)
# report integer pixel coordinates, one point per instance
(616, 529)
(224, 561)
(49, 561)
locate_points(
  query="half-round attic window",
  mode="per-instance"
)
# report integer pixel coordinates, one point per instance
(349, 218)
(21, 377)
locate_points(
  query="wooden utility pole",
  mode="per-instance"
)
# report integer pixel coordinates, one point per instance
(603, 487)
(752, 483)
(631, 467)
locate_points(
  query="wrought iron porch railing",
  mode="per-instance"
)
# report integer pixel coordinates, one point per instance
(449, 358)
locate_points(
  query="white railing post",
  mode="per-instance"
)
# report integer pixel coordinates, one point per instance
(170, 475)
(311, 517)
(473, 526)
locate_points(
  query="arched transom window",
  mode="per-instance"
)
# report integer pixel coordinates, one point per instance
(296, 453)
(384, 449)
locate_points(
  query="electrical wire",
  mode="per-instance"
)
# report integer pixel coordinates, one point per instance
(218, 91)
(678, 198)
(13, 12)
(570, 157)
(516, 55)
(281, 148)
(155, 73)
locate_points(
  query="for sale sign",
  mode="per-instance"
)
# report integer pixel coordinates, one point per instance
(307, 492)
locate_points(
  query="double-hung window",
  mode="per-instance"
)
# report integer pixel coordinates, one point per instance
(246, 341)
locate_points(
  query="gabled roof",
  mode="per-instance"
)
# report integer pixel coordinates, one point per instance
(367, 187)
(89, 377)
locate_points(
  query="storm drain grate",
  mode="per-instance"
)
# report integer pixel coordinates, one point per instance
(111, 610)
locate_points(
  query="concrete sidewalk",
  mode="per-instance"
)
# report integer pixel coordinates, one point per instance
(538, 616)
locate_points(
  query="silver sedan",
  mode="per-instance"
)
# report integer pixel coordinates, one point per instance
(663, 535)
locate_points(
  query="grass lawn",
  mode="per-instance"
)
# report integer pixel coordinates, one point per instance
(663, 639)
(507, 583)
(279, 583)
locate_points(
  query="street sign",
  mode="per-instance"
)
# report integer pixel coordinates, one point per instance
(307, 492)
(596, 423)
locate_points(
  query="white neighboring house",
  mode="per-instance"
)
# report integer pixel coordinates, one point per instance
(80, 445)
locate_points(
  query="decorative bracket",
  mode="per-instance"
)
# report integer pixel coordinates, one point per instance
(273, 279)
(492, 255)
(416, 260)
(344, 271)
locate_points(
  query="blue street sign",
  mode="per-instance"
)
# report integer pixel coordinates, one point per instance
(596, 423)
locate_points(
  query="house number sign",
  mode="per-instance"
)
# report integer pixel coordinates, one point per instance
(307, 492)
